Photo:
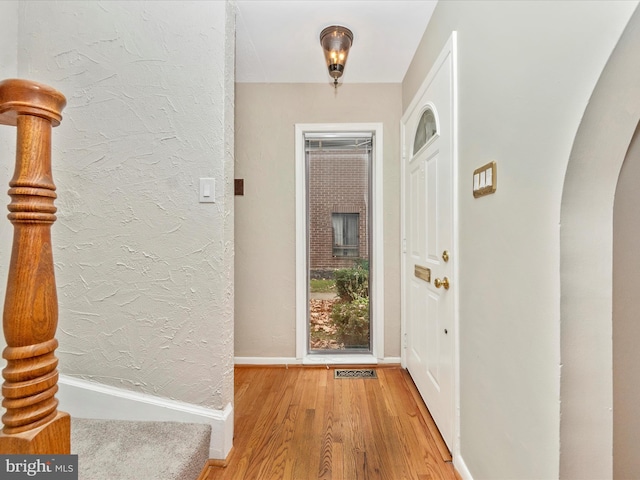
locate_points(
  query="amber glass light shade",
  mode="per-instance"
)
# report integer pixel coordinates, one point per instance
(336, 42)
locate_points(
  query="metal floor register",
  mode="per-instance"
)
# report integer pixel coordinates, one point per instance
(355, 373)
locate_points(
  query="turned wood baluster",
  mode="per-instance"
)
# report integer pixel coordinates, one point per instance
(32, 423)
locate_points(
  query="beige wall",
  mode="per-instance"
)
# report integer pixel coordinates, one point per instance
(265, 215)
(626, 328)
(526, 72)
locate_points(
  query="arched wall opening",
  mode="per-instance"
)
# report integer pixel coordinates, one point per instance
(626, 305)
(586, 262)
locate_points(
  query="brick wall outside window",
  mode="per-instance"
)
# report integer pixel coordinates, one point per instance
(338, 183)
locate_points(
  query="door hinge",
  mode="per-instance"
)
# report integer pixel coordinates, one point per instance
(404, 341)
(404, 245)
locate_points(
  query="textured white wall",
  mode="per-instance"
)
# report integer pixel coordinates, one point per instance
(144, 272)
(526, 71)
(8, 69)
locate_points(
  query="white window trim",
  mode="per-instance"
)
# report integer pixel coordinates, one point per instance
(377, 246)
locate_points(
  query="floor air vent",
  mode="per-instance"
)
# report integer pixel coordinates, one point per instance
(355, 373)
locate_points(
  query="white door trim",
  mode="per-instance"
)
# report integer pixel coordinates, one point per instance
(377, 246)
(450, 48)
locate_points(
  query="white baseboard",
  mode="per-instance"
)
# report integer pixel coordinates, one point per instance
(338, 359)
(390, 360)
(316, 359)
(461, 468)
(267, 361)
(84, 399)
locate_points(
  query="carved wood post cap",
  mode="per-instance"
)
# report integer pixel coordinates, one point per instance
(25, 97)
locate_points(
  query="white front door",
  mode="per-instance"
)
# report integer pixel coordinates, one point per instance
(429, 275)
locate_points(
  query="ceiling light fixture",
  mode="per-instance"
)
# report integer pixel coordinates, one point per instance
(336, 42)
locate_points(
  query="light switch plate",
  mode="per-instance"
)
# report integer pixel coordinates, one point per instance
(485, 180)
(207, 190)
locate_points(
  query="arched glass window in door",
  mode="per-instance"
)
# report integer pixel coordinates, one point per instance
(427, 129)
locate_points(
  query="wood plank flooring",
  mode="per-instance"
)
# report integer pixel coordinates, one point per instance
(299, 423)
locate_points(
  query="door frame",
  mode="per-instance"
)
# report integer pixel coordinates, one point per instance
(376, 283)
(449, 49)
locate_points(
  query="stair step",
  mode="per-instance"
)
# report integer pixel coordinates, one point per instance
(125, 450)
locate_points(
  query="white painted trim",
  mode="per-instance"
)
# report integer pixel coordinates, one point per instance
(301, 246)
(348, 359)
(84, 399)
(456, 250)
(450, 48)
(390, 360)
(377, 241)
(403, 242)
(340, 359)
(267, 361)
(461, 468)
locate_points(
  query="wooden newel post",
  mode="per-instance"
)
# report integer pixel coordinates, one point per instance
(32, 423)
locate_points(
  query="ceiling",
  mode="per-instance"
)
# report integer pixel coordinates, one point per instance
(278, 41)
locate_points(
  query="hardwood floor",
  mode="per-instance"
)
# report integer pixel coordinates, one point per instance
(301, 424)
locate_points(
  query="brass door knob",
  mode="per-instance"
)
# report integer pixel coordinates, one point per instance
(442, 283)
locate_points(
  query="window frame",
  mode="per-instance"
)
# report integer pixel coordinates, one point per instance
(345, 247)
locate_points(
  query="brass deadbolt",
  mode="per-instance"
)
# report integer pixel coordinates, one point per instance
(445, 256)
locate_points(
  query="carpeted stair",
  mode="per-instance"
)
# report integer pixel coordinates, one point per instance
(123, 450)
